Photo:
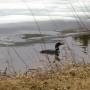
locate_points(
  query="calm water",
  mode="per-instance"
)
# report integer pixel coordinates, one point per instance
(21, 48)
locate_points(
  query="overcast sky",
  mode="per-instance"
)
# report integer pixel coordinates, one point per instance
(17, 11)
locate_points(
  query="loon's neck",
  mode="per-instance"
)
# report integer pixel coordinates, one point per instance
(57, 46)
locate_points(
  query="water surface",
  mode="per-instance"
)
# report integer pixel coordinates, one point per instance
(22, 49)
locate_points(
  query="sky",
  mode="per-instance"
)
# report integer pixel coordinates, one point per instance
(13, 11)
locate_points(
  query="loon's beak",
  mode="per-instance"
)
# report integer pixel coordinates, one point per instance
(59, 43)
(62, 43)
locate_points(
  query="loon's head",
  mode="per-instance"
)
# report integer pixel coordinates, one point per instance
(58, 44)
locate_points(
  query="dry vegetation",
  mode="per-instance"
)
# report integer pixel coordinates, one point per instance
(70, 78)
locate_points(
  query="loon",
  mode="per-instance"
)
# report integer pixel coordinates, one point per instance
(53, 52)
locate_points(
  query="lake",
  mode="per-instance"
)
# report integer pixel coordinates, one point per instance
(21, 43)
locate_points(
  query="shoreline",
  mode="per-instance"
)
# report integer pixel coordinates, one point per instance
(75, 77)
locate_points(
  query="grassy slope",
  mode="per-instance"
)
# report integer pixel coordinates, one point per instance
(71, 78)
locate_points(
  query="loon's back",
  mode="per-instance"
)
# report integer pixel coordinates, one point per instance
(51, 52)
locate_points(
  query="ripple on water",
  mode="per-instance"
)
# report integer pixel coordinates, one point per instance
(30, 44)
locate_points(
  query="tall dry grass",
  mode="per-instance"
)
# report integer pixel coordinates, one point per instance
(71, 77)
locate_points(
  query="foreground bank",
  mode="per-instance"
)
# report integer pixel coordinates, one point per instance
(70, 78)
